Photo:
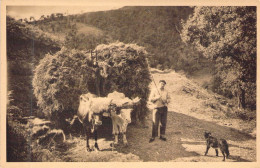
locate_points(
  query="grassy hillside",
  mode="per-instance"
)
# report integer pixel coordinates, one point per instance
(63, 27)
(76, 34)
(155, 28)
(89, 30)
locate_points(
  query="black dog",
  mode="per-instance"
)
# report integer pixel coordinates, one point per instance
(215, 143)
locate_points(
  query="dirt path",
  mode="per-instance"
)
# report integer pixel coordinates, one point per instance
(191, 112)
(185, 142)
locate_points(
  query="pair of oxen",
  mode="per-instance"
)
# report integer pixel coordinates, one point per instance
(115, 105)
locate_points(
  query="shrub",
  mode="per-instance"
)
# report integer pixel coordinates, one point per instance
(26, 45)
(18, 149)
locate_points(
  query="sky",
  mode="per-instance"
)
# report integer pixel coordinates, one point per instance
(21, 12)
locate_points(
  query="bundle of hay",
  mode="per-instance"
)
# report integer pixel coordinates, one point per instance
(126, 71)
(60, 79)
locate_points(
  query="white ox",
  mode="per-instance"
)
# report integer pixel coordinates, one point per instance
(92, 107)
(120, 123)
(121, 120)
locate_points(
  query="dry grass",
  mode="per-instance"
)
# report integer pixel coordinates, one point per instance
(88, 30)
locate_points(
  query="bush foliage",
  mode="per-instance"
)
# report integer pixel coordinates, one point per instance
(227, 35)
(61, 78)
(26, 45)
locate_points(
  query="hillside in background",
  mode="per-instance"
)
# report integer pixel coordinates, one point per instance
(155, 28)
(75, 34)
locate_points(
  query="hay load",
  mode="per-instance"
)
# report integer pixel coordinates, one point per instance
(126, 71)
(61, 78)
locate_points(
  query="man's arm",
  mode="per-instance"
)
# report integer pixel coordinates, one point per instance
(153, 97)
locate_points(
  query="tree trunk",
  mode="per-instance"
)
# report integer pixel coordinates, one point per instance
(241, 98)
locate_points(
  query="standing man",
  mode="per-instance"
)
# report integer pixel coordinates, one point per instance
(160, 98)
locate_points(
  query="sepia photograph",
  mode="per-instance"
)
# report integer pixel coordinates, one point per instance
(129, 83)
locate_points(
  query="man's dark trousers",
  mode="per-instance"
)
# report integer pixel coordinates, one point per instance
(160, 116)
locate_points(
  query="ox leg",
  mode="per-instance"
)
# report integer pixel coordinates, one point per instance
(116, 139)
(115, 131)
(115, 143)
(123, 131)
(124, 139)
(87, 131)
(96, 144)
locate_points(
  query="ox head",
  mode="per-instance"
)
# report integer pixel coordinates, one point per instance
(84, 104)
(86, 97)
(126, 115)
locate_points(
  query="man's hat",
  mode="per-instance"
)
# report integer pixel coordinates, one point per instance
(162, 81)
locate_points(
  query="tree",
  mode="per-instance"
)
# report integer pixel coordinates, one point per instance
(32, 18)
(52, 17)
(42, 17)
(59, 15)
(25, 20)
(227, 35)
